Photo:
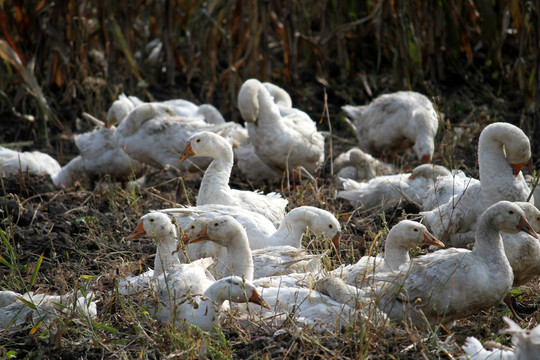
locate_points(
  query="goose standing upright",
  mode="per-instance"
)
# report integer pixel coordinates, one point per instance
(394, 122)
(503, 149)
(283, 137)
(215, 188)
(450, 284)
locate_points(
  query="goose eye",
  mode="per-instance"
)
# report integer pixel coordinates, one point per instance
(331, 226)
(511, 212)
(215, 224)
(416, 230)
(151, 220)
(198, 140)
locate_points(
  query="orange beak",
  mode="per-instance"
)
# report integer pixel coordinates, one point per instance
(187, 152)
(336, 238)
(526, 227)
(429, 239)
(202, 236)
(138, 232)
(426, 159)
(516, 168)
(257, 299)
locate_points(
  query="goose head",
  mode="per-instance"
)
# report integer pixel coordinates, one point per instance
(531, 213)
(408, 234)
(205, 143)
(235, 289)
(318, 221)
(223, 230)
(248, 102)
(157, 225)
(507, 217)
(429, 171)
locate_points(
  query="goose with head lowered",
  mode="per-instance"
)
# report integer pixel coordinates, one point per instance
(503, 149)
(284, 137)
(215, 188)
(450, 284)
(396, 121)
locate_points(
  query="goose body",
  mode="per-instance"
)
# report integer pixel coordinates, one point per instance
(401, 238)
(454, 283)
(100, 154)
(15, 311)
(284, 137)
(215, 188)
(386, 190)
(35, 162)
(394, 122)
(502, 150)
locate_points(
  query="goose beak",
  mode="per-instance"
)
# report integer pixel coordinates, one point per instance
(516, 168)
(426, 159)
(336, 238)
(138, 232)
(202, 236)
(526, 227)
(256, 298)
(187, 152)
(430, 239)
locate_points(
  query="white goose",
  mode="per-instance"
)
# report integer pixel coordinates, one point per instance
(215, 188)
(386, 190)
(394, 122)
(100, 154)
(16, 309)
(35, 162)
(453, 283)
(284, 138)
(358, 165)
(400, 239)
(239, 259)
(153, 134)
(260, 230)
(503, 149)
(526, 345)
(522, 249)
(184, 292)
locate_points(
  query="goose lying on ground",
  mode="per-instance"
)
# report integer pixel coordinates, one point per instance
(35, 162)
(503, 149)
(394, 122)
(401, 238)
(100, 154)
(450, 284)
(284, 137)
(260, 230)
(16, 309)
(358, 165)
(239, 259)
(215, 188)
(155, 135)
(386, 190)
(526, 345)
